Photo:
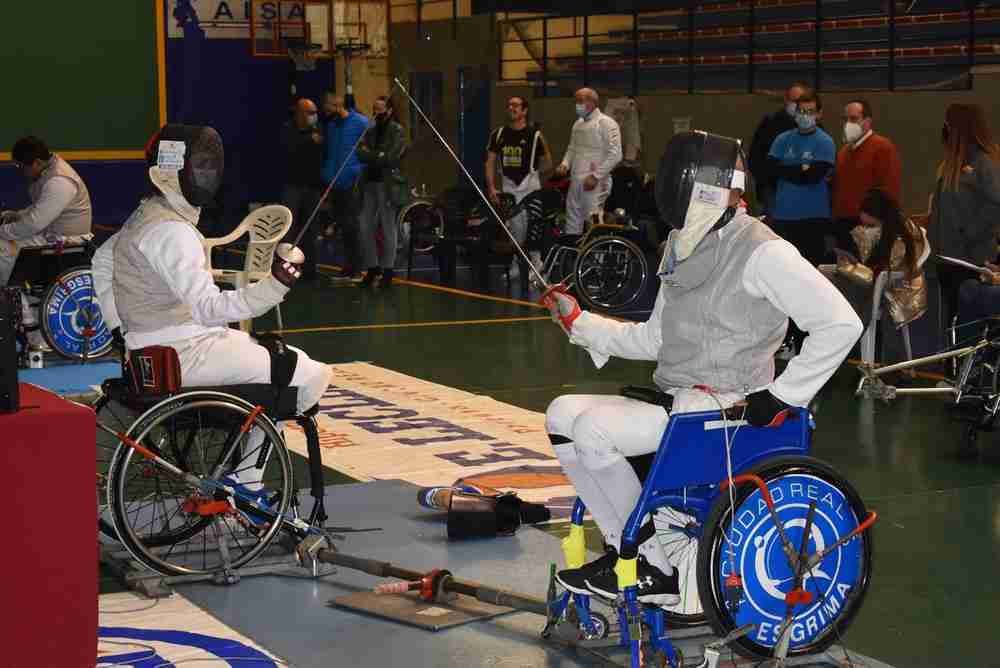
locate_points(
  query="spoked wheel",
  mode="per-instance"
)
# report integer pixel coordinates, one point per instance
(176, 529)
(611, 273)
(422, 222)
(71, 317)
(680, 535)
(835, 587)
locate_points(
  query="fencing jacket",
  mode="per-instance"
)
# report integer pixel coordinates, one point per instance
(595, 146)
(720, 316)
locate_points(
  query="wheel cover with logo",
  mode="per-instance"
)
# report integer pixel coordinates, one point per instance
(71, 317)
(837, 584)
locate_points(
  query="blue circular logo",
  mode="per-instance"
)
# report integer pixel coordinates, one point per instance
(755, 548)
(73, 316)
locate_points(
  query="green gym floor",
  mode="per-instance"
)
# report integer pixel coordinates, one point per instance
(933, 601)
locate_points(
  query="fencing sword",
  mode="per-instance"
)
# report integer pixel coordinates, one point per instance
(531, 266)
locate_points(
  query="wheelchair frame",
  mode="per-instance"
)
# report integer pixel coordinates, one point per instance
(685, 476)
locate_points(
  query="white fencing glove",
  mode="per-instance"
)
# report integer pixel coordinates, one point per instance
(562, 306)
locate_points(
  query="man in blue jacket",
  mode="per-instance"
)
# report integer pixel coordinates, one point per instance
(343, 129)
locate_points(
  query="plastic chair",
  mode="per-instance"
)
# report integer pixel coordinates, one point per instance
(267, 226)
(882, 283)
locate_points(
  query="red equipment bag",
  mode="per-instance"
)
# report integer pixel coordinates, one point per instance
(154, 370)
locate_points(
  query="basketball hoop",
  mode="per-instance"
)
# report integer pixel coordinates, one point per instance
(304, 56)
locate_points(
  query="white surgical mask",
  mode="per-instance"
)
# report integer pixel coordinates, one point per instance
(312, 120)
(791, 108)
(852, 132)
(581, 111)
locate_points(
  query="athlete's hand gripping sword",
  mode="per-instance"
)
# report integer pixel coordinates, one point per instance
(486, 200)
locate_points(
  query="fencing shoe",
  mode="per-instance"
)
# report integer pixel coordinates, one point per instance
(655, 586)
(575, 579)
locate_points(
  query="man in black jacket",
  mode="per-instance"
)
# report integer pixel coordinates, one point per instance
(767, 131)
(302, 144)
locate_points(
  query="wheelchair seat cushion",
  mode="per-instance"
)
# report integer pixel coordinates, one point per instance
(280, 403)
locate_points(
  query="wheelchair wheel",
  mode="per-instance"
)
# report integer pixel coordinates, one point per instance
(71, 318)
(680, 535)
(611, 273)
(422, 222)
(175, 528)
(751, 545)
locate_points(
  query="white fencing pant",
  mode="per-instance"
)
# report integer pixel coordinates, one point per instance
(231, 357)
(603, 430)
(580, 203)
(519, 224)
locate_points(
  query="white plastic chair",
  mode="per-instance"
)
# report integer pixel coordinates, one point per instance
(267, 226)
(882, 283)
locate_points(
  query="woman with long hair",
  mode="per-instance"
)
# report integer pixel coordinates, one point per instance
(887, 241)
(965, 210)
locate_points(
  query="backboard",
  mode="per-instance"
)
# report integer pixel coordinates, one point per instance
(278, 25)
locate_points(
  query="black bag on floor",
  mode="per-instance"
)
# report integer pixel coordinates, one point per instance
(479, 516)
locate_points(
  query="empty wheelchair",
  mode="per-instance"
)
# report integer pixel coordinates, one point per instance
(201, 482)
(770, 545)
(606, 266)
(56, 279)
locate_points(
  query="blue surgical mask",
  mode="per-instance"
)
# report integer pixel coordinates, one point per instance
(805, 121)
(581, 111)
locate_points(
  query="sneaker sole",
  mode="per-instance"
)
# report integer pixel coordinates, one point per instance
(657, 599)
(572, 588)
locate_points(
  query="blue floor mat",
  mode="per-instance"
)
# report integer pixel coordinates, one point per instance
(71, 379)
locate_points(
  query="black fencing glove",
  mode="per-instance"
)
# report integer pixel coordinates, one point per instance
(763, 407)
(287, 265)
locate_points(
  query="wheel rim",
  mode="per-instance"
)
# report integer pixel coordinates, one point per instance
(611, 273)
(71, 318)
(766, 574)
(417, 220)
(155, 513)
(680, 535)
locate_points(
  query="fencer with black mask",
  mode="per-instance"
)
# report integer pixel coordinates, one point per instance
(151, 281)
(728, 285)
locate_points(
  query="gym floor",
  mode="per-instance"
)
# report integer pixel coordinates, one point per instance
(933, 599)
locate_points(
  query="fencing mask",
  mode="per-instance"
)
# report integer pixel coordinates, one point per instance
(693, 182)
(186, 164)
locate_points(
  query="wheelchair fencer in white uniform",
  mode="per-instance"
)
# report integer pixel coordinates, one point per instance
(151, 281)
(728, 287)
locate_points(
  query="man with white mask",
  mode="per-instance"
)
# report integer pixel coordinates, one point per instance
(595, 148)
(150, 280)
(728, 287)
(867, 161)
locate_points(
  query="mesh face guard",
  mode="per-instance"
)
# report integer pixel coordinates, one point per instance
(199, 162)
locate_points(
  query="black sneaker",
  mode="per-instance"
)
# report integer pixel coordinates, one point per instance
(575, 579)
(655, 586)
(369, 279)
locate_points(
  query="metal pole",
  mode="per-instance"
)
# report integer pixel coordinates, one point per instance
(892, 46)
(635, 54)
(751, 66)
(690, 48)
(818, 75)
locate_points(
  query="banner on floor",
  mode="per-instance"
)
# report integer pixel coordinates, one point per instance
(379, 424)
(142, 633)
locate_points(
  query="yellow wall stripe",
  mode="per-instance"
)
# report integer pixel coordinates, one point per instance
(128, 154)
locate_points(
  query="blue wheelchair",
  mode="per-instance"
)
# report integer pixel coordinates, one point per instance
(771, 545)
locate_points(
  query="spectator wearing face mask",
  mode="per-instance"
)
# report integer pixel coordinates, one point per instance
(767, 131)
(801, 159)
(867, 161)
(302, 142)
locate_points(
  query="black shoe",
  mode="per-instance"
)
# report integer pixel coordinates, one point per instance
(370, 276)
(575, 579)
(386, 281)
(655, 586)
